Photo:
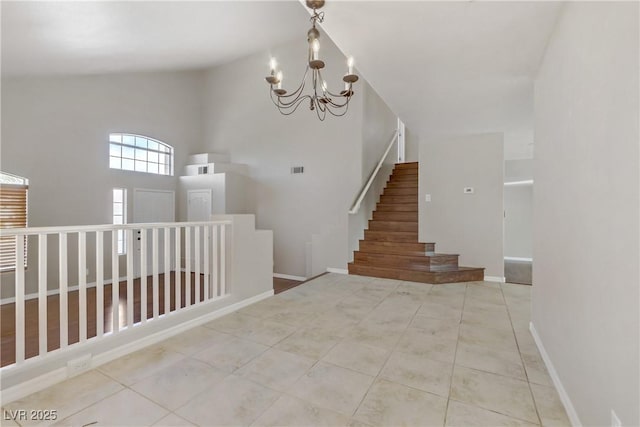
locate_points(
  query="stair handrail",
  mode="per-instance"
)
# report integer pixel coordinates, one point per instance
(363, 192)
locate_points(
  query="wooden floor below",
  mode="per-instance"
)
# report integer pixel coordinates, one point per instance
(8, 316)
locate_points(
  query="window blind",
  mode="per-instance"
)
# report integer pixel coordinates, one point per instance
(13, 214)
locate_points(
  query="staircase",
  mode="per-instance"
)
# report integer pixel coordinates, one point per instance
(390, 248)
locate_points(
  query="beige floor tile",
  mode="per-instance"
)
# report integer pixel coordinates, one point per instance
(332, 387)
(175, 385)
(463, 415)
(488, 337)
(390, 404)
(172, 420)
(193, 340)
(370, 334)
(358, 357)
(449, 289)
(8, 418)
(525, 340)
(423, 343)
(141, 364)
(231, 354)
(67, 397)
(438, 327)
(418, 372)
(265, 308)
(549, 406)
(492, 360)
(309, 343)
(436, 310)
(269, 332)
(536, 369)
(289, 411)
(276, 369)
(125, 408)
(233, 401)
(505, 395)
(235, 323)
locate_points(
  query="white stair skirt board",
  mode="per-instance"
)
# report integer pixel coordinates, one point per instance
(58, 375)
(337, 270)
(494, 279)
(564, 397)
(289, 277)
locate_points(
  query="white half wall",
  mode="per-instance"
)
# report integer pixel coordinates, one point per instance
(470, 225)
(586, 210)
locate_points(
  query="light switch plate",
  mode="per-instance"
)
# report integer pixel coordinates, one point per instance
(427, 197)
(468, 190)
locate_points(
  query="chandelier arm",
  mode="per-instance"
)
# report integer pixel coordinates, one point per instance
(287, 111)
(336, 105)
(300, 88)
(328, 91)
(321, 113)
(339, 114)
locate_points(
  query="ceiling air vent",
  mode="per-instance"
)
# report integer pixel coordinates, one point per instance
(297, 169)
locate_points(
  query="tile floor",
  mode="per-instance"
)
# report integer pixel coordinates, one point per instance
(335, 351)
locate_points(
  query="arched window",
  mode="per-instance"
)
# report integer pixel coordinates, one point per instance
(140, 153)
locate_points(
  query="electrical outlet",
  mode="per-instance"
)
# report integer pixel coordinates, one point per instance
(615, 421)
(79, 365)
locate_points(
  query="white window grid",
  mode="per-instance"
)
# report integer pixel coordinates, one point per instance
(120, 216)
(140, 154)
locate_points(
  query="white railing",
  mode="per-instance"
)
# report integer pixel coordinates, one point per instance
(363, 192)
(157, 279)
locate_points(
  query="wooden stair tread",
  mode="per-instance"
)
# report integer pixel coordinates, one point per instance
(460, 274)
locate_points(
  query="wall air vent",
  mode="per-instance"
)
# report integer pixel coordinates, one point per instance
(203, 170)
(297, 169)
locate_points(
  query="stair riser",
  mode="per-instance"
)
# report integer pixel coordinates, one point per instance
(395, 216)
(397, 248)
(413, 171)
(404, 178)
(411, 191)
(419, 276)
(402, 184)
(407, 207)
(390, 236)
(420, 263)
(398, 199)
(393, 226)
(409, 165)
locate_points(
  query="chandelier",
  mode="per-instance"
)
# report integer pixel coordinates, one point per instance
(321, 99)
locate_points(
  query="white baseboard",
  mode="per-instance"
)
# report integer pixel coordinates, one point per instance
(58, 375)
(337, 270)
(564, 397)
(494, 279)
(289, 277)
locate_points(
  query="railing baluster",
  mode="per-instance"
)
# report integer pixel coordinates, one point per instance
(215, 269)
(154, 267)
(82, 284)
(187, 265)
(143, 275)
(178, 270)
(99, 283)
(207, 279)
(167, 270)
(42, 294)
(115, 283)
(197, 261)
(223, 267)
(129, 237)
(20, 339)
(63, 288)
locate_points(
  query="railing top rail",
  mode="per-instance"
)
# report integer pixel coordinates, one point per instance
(104, 227)
(356, 205)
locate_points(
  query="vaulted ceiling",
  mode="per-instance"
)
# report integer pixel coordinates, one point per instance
(440, 65)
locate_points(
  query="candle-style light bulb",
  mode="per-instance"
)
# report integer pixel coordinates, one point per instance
(316, 48)
(273, 64)
(279, 77)
(324, 86)
(350, 64)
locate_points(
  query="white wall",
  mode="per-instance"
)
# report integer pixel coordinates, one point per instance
(518, 221)
(307, 212)
(467, 224)
(586, 248)
(55, 132)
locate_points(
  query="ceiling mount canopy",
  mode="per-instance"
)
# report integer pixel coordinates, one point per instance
(321, 100)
